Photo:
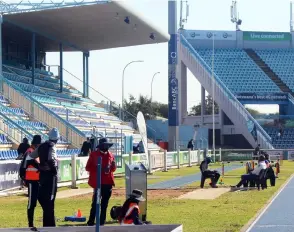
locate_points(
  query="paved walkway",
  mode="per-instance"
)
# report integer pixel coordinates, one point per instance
(73, 192)
(185, 180)
(279, 214)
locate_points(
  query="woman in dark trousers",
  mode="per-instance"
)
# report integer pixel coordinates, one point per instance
(108, 167)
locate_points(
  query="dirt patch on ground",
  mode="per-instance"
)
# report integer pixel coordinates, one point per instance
(205, 194)
(152, 194)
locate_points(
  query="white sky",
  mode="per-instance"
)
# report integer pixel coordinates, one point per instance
(106, 66)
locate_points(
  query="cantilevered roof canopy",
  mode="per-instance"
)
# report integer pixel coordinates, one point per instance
(84, 28)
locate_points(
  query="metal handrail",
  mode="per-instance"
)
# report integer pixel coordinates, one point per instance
(96, 91)
(221, 84)
(28, 134)
(36, 131)
(23, 93)
(48, 96)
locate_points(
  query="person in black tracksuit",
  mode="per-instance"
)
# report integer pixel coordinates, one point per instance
(48, 177)
(86, 148)
(29, 173)
(22, 148)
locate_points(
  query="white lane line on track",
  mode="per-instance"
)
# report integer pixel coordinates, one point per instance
(269, 204)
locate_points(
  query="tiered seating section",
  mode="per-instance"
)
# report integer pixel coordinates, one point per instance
(241, 74)
(16, 114)
(281, 62)
(81, 112)
(286, 141)
(238, 71)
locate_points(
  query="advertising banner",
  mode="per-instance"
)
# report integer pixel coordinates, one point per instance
(290, 155)
(208, 35)
(142, 129)
(81, 168)
(171, 159)
(173, 101)
(173, 107)
(9, 175)
(262, 97)
(267, 36)
(275, 154)
(64, 170)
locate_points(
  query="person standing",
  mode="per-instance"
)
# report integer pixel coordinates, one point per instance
(48, 176)
(256, 152)
(190, 145)
(29, 173)
(86, 148)
(108, 167)
(22, 148)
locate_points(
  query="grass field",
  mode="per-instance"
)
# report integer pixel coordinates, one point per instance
(227, 213)
(157, 177)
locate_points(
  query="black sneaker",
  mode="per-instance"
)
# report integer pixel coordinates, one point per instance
(34, 229)
(90, 224)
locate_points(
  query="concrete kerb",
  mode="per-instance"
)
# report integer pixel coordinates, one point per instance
(146, 228)
(258, 215)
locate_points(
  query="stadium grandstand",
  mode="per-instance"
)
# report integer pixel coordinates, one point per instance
(34, 99)
(246, 68)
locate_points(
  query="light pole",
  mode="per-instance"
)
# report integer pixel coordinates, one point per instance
(213, 96)
(123, 78)
(152, 84)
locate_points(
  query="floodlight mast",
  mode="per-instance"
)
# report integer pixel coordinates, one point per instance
(291, 16)
(183, 20)
(235, 15)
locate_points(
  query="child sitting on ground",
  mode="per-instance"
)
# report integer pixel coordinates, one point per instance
(129, 213)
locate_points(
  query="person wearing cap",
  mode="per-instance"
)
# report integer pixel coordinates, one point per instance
(48, 176)
(29, 173)
(130, 210)
(108, 167)
(213, 175)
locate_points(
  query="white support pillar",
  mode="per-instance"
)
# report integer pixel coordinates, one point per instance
(203, 106)
(183, 92)
(150, 166)
(221, 125)
(130, 157)
(178, 158)
(74, 172)
(220, 155)
(189, 158)
(165, 161)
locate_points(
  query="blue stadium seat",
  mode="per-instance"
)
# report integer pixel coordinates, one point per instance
(238, 71)
(281, 62)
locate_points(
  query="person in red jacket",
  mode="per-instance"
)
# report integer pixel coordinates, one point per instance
(108, 167)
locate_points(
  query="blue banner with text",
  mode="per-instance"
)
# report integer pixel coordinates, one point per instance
(173, 102)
